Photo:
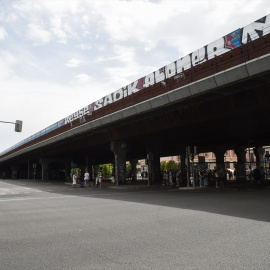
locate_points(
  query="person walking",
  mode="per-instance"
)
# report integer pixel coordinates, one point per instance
(86, 179)
(191, 180)
(205, 178)
(170, 178)
(222, 177)
(165, 178)
(99, 179)
(177, 178)
(217, 178)
(201, 178)
(74, 180)
(113, 178)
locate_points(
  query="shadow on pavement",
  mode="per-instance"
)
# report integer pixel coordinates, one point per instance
(238, 200)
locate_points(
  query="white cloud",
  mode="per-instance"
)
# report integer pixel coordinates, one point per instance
(82, 78)
(7, 61)
(37, 34)
(74, 63)
(3, 33)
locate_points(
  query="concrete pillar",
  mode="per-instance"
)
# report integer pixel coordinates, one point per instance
(153, 151)
(45, 168)
(14, 172)
(241, 160)
(259, 152)
(219, 153)
(134, 168)
(89, 167)
(119, 148)
(67, 171)
(183, 167)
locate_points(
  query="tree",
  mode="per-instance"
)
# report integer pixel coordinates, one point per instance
(128, 167)
(172, 166)
(106, 170)
(163, 166)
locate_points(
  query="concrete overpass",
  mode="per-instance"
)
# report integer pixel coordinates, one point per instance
(220, 104)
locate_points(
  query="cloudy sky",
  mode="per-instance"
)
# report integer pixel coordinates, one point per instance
(57, 56)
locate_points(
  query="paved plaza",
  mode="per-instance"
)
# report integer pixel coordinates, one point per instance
(46, 225)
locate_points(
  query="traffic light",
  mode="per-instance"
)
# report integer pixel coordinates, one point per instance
(18, 126)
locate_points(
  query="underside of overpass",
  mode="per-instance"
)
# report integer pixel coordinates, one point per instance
(230, 116)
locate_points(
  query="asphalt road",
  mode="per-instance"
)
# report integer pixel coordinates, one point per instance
(54, 226)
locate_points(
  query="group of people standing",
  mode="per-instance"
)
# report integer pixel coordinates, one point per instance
(202, 177)
(219, 176)
(76, 179)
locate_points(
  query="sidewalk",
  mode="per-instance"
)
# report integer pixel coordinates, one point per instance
(144, 184)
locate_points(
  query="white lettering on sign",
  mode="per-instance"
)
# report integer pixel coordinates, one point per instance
(149, 80)
(216, 48)
(98, 104)
(80, 113)
(117, 95)
(199, 56)
(108, 100)
(170, 70)
(228, 42)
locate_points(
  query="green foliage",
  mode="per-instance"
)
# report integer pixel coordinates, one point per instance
(76, 170)
(172, 166)
(106, 170)
(169, 166)
(163, 165)
(128, 167)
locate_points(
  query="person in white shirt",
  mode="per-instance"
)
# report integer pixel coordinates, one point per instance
(86, 179)
(74, 180)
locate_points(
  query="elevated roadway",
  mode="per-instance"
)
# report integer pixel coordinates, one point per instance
(221, 102)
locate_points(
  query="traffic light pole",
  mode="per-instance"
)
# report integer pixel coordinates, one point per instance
(18, 125)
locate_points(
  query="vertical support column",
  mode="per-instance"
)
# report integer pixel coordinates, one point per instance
(89, 167)
(134, 169)
(45, 168)
(259, 152)
(183, 168)
(67, 170)
(119, 148)
(154, 162)
(14, 172)
(219, 153)
(241, 159)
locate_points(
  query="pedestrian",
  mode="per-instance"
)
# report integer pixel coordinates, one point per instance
(113, 178)
(86, 179)
(205, 177)
(170, 178)
(100, 179)
(177, 178)
(217, 178)
(74, 180)
(165, 178)
(191, 180)
(222, 177)
(201, 177)
(4, 175)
